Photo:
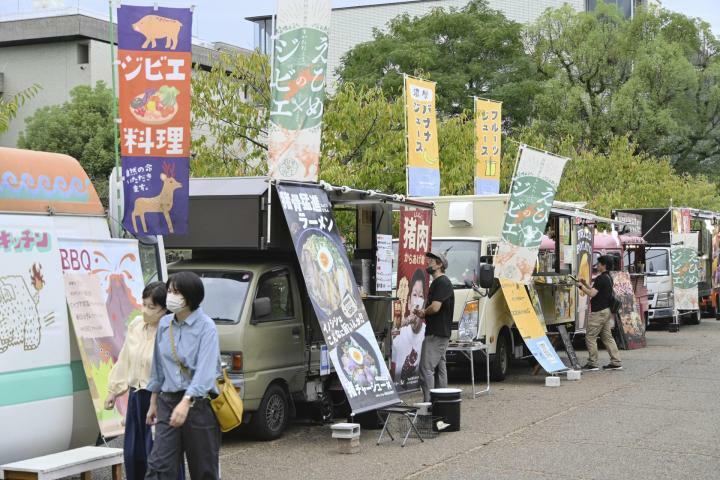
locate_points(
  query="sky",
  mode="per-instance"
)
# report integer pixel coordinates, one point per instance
(224, 20)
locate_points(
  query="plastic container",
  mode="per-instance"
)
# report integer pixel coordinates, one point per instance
(446, 406)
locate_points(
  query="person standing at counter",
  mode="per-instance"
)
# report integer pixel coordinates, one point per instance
(600, 318)
(185, 367)
(438, 324)
(131, 373)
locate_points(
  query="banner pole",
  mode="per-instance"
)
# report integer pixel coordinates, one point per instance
(407, 137)
(115, 120)
(476, 161)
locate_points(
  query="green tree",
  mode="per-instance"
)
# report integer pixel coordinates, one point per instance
(654, 77)
(474, 51)
(9, 107)
(81, 128)
(230, 108)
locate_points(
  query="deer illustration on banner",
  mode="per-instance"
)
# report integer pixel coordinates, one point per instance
(159, 200)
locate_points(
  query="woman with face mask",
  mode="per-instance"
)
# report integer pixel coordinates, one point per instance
(132, 373)
(185, 367)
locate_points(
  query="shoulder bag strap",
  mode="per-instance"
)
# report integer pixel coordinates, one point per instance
(182, 367)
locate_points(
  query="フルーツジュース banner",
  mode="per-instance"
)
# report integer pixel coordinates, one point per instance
(335, 297)
(103, 288)
(488, 123)
(531, 198)
(684, 267)
(299, 75)
(423, 159)
(154, 67)
(408, 330)
(531, 330)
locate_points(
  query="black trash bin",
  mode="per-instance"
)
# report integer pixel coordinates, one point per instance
(446, 405)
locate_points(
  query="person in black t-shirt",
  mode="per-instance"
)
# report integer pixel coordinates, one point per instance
(438, 323)
(599, 321)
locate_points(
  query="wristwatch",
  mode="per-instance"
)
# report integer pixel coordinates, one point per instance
(190, 399)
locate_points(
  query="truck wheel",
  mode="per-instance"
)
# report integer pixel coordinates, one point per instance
(694, 318)
(271, 419)
(499, 364)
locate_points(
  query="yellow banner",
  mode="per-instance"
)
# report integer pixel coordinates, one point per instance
(522, 309)
(488, 118)
(421, 124)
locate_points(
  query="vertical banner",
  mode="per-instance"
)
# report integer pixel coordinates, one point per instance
(531, 330)
(684, 266)
(631, 325)
(681, 220)
(298, 89)
(488, 122)
(716, 258)
(335, 297)
(423, 159)
(531, 198)
(154, 66)
(103, 287)
(584, 248)
(408, 330)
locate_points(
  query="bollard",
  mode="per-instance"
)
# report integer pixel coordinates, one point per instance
(552, 381)
(348, 437)
(574, 375)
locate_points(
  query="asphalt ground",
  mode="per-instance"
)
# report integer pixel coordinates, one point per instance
(658, 418)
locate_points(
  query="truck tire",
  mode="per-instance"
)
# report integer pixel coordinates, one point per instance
(694, 318)
(499, 364)
(271, 419)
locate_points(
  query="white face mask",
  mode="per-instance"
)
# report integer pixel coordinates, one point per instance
(175, 302)
(151, 314)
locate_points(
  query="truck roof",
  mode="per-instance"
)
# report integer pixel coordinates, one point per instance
(43, 182)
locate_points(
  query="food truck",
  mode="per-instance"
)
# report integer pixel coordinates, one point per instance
(468, 229)
(45, 403)
(656, 226)
(240, 244)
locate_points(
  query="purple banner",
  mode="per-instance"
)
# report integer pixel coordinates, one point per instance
(156, 195)
(162, 29)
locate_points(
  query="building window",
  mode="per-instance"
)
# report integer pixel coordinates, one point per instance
(83, 53)
(625, 6)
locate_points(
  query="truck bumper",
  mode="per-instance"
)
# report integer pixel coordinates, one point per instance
(659, 314)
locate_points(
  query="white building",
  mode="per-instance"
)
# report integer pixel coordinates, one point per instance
(350, 26)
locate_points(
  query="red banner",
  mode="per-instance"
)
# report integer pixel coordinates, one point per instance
(412, 289)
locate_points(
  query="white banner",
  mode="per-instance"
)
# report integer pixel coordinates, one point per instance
(299, 75)
(531, 198)
(685, 274)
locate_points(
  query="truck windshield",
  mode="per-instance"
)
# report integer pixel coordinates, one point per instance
(657, 261)
(225, 294)
(463, 257)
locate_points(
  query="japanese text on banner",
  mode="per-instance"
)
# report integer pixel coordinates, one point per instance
(488, 121)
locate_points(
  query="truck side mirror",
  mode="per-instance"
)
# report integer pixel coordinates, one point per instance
(486, 275)
(261, 308)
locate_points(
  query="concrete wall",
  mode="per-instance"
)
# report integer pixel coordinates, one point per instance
(54, 66)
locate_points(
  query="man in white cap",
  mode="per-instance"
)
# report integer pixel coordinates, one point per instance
(438, 316)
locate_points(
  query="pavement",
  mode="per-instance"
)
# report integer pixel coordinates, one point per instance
(658, 418)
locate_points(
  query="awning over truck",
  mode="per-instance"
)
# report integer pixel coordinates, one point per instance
(41, 182)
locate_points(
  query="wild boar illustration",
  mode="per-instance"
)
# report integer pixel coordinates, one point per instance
(154, 27)
(19, 317)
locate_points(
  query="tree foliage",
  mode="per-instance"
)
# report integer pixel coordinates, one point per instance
(474, 51)
(9, 107)
(654, 78)
(229, 108)
(81, 127)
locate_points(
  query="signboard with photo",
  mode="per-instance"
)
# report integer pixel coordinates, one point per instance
(631, 326)
(408, 330)
(335, 297)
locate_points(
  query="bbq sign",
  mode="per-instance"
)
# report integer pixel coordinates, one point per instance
(154, 67)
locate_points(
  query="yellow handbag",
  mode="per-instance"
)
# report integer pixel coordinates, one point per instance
(228, 406)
